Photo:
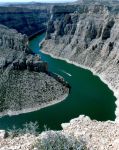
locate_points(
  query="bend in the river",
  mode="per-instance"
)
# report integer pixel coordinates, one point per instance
(88, 96)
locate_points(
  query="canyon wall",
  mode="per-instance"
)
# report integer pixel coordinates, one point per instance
(87, 35)
(25, 20)
(25, 83)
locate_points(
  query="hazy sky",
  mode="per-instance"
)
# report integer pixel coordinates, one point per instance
(37, 0)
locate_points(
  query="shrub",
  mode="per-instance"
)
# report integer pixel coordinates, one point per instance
(58, 141)
(28, 128)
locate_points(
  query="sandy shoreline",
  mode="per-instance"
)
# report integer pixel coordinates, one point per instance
(115, 92)
(23, 111)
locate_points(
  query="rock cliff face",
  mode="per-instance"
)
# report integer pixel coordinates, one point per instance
(25, 20)
(87, 35)
(25, 83)
(12, 45)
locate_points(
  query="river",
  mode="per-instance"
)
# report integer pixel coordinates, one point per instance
(88, 96)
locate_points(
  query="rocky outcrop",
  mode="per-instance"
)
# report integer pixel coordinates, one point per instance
(25, 83)
(97, 135)
(81, 133)
(87, 36)
(30, 62)
(13, 45)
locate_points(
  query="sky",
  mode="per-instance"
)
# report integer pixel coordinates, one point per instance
(1, 1)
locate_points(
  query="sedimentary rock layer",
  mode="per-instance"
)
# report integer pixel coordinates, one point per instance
(87, 35)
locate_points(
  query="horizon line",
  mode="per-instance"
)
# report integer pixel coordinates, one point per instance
(64, 1)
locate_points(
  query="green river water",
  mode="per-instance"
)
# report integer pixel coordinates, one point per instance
(89, 96)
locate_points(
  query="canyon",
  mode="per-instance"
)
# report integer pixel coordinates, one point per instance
(87, 35)
(26, 19)
(84, 33)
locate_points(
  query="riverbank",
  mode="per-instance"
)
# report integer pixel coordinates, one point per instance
(94, 73)
(20, 97)
(43, 105)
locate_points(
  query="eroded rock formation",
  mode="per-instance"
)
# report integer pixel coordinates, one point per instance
(25, 83)
(87, 34)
